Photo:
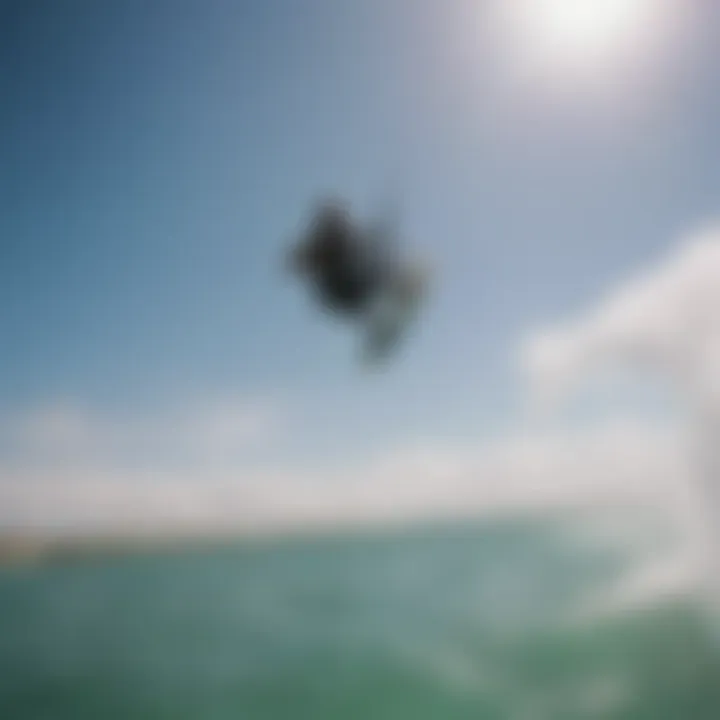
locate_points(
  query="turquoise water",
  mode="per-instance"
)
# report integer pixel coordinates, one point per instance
(464, 622)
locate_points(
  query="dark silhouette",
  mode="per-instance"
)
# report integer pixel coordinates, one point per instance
(356, 273)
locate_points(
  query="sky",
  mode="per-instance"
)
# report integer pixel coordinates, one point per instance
(159, 157)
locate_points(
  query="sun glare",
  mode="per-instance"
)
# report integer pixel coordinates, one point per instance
(586, 26)
(583, 34)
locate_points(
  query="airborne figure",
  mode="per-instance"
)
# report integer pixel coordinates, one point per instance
(356, 272)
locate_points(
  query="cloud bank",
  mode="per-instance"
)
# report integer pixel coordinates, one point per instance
(71, 472)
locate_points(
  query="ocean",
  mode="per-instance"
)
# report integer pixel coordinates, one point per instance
(480, 620)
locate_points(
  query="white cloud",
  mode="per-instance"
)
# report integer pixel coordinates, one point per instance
(611, 465)
(65, 467)
(665, 322)
(65, 434)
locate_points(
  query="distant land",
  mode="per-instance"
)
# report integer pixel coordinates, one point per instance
(20, 547)
(26, 549)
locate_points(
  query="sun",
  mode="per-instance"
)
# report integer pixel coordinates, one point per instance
(577, 27)
(582, 34)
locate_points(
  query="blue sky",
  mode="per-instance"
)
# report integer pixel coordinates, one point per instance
(158, 157)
